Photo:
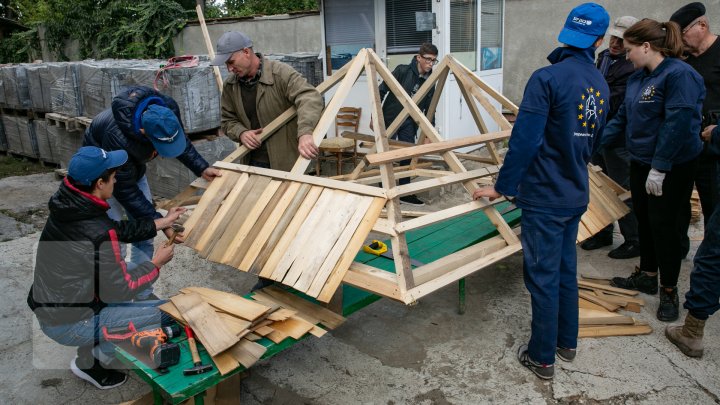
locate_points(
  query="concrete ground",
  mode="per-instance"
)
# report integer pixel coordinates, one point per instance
(387, 353)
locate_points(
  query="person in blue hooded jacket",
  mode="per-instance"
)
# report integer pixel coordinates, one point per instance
(562, 112)
(660, 119)
(145, 124)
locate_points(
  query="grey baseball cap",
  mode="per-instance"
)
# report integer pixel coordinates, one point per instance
(229, 43)
(618, 27)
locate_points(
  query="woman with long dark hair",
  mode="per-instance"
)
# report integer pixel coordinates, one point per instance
(660, 117)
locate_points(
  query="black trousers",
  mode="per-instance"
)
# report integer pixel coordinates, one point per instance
(662, 221)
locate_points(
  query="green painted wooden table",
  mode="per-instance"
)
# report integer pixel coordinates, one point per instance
(425, 245)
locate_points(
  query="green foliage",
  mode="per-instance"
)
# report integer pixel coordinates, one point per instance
(19, 47)
(268, 7)
(115, 28)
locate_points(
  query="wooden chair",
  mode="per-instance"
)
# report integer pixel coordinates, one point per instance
(347, 119)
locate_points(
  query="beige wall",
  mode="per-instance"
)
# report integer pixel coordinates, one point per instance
(532, 27)
(271, 34)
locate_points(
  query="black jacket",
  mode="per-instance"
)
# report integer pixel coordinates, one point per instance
(78, 267)
(410, 80)
(617, 76)
(115, 129)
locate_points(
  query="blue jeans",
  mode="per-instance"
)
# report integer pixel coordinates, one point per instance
(140, 252)
(88, 332)
(704, 296)
(406, 133)
(550, 273)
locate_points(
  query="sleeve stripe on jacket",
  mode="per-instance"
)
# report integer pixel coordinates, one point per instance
(132, 284)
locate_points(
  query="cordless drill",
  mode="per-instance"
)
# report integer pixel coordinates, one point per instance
(154, 342)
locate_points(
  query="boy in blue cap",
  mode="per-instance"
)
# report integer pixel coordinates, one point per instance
(545, 171)
(81, 282)
(144, 123)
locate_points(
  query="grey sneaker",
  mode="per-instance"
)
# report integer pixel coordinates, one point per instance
(564, 354)
(544, 371)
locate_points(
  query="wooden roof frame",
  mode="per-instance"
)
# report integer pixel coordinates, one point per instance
(407, 284)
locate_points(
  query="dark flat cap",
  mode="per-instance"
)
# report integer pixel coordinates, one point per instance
(688, 13)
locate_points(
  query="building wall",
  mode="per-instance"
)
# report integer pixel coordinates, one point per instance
(271, 34)
(532, 27)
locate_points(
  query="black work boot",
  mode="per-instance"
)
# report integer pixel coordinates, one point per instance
(597, 241)
(639, 281)
(668, 310)
(86, 367)
(627, 250)
(688, 336)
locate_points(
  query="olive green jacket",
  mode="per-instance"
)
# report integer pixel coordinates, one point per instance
(280, 87)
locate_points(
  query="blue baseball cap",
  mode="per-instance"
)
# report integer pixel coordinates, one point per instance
(164, 130)
(90, 162)
(584, 25)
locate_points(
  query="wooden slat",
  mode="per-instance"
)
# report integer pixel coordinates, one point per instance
(331, 259)
(294, 327)
(279, 230)
(277, 211)
(420, 186)
(326, 240)
(208, 206)
(277, 251)
(230, 303)
(597, 300)
(227, 210)
(624, 330)
(596, 286)
(372, 279)
(246, 352)
(358, 238)
(206, 324)
(442, 215)
(499, 97)
(229, 247)
(266, 299)
(253, 191)
(326, 317)
(314, 180)
(582, 303)
(432, 148)
(247, 233)
(321, 209)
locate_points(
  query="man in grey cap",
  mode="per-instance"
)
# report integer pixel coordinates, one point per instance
(257, 92)
(615, 159)
(703, 53)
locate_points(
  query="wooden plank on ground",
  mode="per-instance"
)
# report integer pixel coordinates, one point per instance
(207, 325)
(615, 330)
(597, 300)
(596, 286)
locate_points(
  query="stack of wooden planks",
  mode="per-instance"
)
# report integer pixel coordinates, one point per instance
(301, 231)
(598, 306)
(229, 325)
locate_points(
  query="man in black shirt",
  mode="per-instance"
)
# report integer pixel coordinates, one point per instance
(703, 54)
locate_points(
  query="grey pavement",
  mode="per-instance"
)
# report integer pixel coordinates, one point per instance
(387, 353)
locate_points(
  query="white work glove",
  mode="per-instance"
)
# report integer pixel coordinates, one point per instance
(653, 184)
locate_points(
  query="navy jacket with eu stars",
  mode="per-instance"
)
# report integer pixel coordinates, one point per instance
(562, 112)
(661, 115)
